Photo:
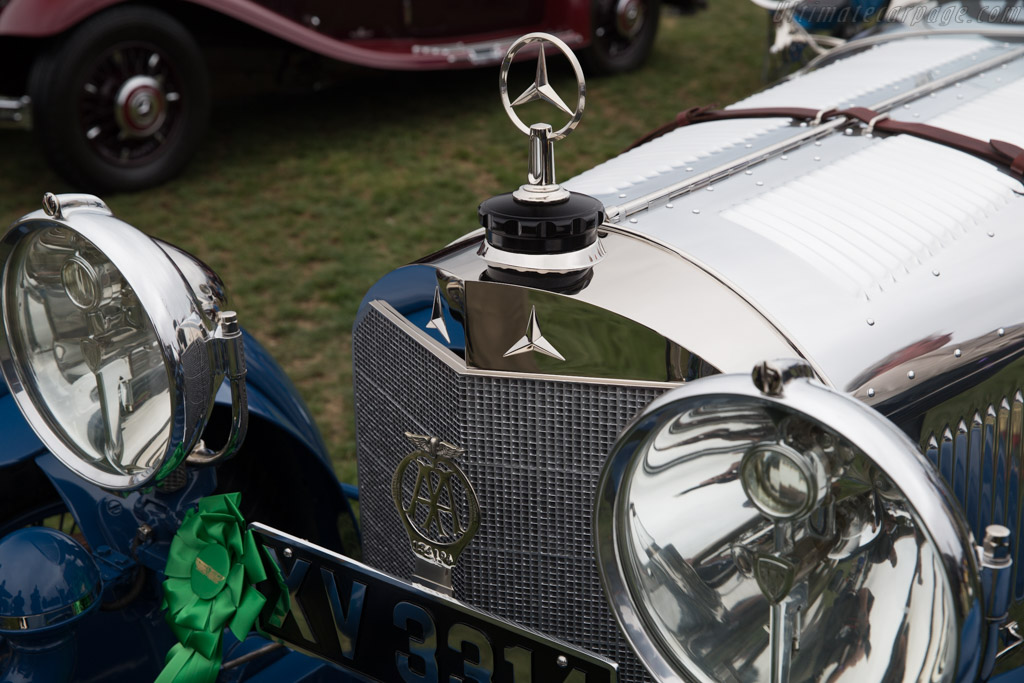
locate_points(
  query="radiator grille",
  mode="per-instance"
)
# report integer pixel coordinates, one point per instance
(534, 450)
(979, 457)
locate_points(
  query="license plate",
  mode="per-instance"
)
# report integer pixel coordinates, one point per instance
(388, 630)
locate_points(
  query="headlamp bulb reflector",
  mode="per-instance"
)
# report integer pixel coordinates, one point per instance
(780, 481)
(81, 283)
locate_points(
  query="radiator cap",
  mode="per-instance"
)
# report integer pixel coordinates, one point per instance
(533, 228)
(542, 227)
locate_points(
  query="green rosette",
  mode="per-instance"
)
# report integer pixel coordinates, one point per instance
(212, 571)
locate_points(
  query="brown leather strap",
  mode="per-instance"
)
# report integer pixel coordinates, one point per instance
(1012, 152)
(997, 151)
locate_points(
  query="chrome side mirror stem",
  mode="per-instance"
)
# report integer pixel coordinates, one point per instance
(231, 353)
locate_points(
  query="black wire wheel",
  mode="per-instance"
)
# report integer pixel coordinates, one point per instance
(121, 102)
(622, 35)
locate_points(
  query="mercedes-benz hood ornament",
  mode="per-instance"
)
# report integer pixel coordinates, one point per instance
(542, 228)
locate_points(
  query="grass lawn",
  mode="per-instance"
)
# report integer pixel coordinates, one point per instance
(301, 202)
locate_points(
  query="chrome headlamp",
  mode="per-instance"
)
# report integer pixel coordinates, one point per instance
(783, 532)
(112, 355)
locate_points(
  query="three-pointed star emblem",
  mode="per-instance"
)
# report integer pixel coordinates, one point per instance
(437, 317)
(534, 340)
(540, 89)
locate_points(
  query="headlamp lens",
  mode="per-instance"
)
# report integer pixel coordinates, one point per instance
(86, 352)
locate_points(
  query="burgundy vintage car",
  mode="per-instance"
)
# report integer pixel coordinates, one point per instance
(118, 92)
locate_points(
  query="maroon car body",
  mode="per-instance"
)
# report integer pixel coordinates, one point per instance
(385, 35)
(119, 94)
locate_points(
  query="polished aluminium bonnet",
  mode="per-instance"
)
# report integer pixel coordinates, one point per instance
(882, 585)
(107, 350)
(869, 253)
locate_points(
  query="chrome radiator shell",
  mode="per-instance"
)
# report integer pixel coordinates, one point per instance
(534, 448)
(534, 443)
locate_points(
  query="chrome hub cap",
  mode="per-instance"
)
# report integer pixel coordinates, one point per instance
(629, 18)
(140, 107)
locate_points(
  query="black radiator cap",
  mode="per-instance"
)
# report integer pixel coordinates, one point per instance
(541, 228)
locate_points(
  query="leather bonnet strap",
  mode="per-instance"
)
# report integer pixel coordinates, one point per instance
(997, 151)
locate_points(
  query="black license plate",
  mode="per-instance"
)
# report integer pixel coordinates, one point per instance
(388, 630)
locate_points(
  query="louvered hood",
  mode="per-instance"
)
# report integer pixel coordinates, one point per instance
(890, 262)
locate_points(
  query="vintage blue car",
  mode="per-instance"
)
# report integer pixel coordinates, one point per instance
(743, 403)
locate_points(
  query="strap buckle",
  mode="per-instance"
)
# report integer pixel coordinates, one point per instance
(822, 112)
(871, 124)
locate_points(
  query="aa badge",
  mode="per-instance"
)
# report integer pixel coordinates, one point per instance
(435, 501)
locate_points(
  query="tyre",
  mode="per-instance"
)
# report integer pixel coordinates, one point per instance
(623, 35)
(120, 102)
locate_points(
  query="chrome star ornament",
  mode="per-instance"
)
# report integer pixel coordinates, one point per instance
(540, 89)
(541, 187)
(437, 317)
(534, 340)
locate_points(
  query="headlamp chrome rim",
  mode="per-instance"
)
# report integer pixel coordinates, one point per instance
(174, 316)
(903, 465)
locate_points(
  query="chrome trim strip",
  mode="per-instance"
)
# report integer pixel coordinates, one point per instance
(458, 365)
(484, 52)
(616, 213)
(34, 622)
(988, 462)
(669, 193)
(570, 262)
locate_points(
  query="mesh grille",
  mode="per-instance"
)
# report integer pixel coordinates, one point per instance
(534, 450)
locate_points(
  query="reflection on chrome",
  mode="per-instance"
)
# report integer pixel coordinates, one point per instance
(734, 595)
(89, 351)
(704, 429)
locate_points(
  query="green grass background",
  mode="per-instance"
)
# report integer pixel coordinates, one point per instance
(301, 202)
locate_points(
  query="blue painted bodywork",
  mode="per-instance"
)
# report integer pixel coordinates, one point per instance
(45, 571)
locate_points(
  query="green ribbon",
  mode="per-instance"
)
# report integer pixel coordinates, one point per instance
(212, 570)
